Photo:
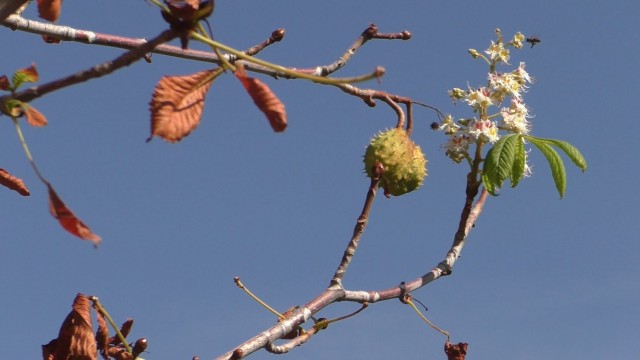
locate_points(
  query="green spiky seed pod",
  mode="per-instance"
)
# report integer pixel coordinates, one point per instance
(403, 163)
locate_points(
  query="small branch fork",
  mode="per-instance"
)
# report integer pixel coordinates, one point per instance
(336, 292)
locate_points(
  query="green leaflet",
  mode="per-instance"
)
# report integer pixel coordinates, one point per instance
(572, 152)
(504, 160)
(519, 161)
(555, 162)
(507, 159)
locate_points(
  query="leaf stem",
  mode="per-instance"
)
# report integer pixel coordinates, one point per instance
(103, 311)
(23, 142)
(257, 299)
(410, 302)
(281, 69)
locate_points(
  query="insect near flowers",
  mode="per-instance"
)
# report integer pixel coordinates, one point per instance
(532, 40)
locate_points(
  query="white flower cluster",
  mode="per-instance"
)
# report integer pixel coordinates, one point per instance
(502, 87)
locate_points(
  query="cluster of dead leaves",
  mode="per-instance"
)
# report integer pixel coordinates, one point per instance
(455, 351)
(76, 340)
(15, 109)
(49, 9)
(178, 101)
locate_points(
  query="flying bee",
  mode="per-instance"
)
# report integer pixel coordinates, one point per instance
(532, 40)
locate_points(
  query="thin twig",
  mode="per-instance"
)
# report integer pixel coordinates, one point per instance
(103, 69)
(358, 230)
(335, 294)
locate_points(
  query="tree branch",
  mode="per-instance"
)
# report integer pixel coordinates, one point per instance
(99, 70)
(334, 294)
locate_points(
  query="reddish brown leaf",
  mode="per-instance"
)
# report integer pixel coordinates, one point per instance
(75, 339)
(4, 82)
(177, 103)
(125, 328)
(13, 183)
(455, 351)
(102, 335)
(26, 75)
(264, 99)
(119, 353)
(183, 9)
(30, 73)
(49, 350)
(68, 220)
(34, 117)
(49, 9)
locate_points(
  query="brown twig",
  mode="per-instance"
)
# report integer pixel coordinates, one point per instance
(358, 230)
(66, 33)
(369, 33)
(337, 293)
(99, 70)
(276, 35)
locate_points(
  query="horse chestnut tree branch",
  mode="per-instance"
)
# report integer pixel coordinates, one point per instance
(492, 140)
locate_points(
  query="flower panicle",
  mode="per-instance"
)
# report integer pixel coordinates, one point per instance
(502, 88)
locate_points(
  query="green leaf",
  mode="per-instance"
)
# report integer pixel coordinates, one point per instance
(499, 163)
(26, 75)
(555, 163)
(572, 152)
(519, 161)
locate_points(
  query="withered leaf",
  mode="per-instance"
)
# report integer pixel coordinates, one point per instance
(264, 99)
(68, 220)
(102, 335)
(183, 9)
(455, 351)
(4, 82)
(177, 103)
(118, 353)
(13, 183)
(75, 339)
(125, 328)
(34, 117)
(49, 9)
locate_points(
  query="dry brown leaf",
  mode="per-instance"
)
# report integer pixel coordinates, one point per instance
(183, 9)
(49, 9)
(13, 183)
(102, 335)
(68, 220)
(455, 351)
(34, 117)
(4, 82)
(177, 104)
(118, 353)
(75, 339)
(125, 328)
(264, 99)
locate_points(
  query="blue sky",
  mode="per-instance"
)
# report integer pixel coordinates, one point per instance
(540, 277)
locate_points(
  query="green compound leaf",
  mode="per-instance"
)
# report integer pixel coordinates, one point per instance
(500, 163)
(555, 162)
